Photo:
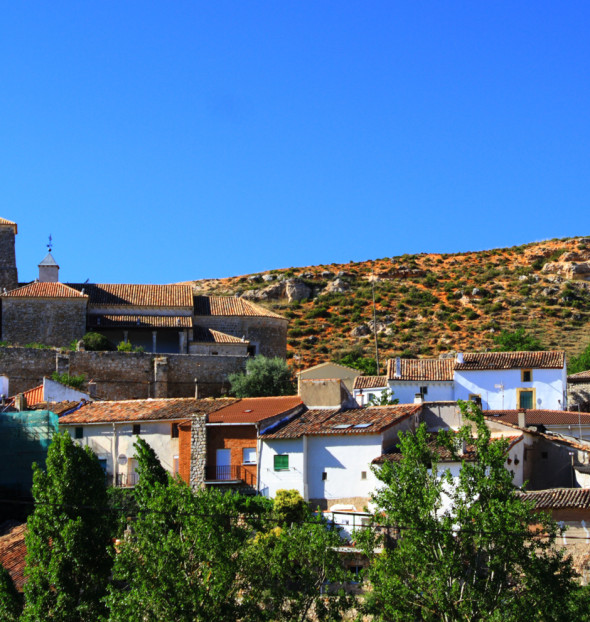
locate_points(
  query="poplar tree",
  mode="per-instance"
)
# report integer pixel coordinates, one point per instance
(68, 536)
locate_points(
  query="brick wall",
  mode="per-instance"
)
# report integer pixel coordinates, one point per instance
(235, 438)
(53, 322)
(184, 451)
(122, 375)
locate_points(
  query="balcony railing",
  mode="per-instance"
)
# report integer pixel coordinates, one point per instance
(231, 473)
(124, 480)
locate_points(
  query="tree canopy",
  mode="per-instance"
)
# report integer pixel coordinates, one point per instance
(579, 363)
(263, 377)
(466, 547)
(517, 341)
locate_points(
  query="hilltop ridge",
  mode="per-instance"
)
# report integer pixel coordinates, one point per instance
(428, 303)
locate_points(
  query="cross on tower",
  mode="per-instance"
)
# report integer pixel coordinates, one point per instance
(50, 245)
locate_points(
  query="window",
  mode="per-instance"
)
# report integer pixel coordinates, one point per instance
(525, 398)
(174, 430)
(79, 433)
(424, 391)
(249, 455)
(281, 462)
(136, 429)
(526, 375)
(103, 464)
(324, 476)
(363, 475)
(475, 397)
(251, 350)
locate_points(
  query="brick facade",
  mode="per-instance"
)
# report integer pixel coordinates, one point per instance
(235, 438)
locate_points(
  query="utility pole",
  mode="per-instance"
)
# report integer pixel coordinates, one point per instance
(375, 324)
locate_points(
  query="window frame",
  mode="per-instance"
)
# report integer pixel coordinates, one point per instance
(136, 429)
(526, 371)
(174, 431)
(244, 461)
(522, 390)
(284, 458)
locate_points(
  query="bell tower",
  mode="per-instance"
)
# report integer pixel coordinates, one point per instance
(8, 274)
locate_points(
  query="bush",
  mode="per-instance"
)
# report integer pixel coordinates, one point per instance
(66, 379)
(127, 346)
(95, 342)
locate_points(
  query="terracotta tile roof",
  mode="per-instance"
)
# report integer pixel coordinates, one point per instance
(8, 223)
(422, 369)
(143, 410)
(393, 454)
(539, 417)
(511, 360)
(255, 409)
(58, 408)
(34, 395)
(558, 498)
(581, 376)
(229, 305)
(366, 420)
(370, 382)
(208, 335)
(140, 321)
(44, 290)
(112, 294)
(12, 552)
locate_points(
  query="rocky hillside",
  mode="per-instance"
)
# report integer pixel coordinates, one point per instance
(428, 304)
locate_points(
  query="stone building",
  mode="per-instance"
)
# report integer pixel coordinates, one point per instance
(8, 272)
(578, 391)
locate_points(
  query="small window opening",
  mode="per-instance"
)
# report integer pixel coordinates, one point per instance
(136, 428)
(324, 476)
(79, 433)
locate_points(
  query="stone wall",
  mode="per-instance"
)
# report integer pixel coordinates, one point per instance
(578, 394)
(123, 375)
(51, 321)
(198, 451)
(8, 274)
(267, 333)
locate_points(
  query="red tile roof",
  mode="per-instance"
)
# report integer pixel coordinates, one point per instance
(370, 382)
(511, 360)
(12, 552)
(44, 290)
(581, 376)
(143, 410)
(393, 454)
(140, 321)
(558, 498)
(229, 306)
(539, 417)
(34, 395)
(112, 294)
(255, 409)
(366, 420)
(8, 223)
(422, 369)
(208, 335)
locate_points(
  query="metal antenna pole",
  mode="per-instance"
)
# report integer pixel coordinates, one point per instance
(375, 324)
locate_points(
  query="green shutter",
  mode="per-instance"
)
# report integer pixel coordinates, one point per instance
(526, 399)
(281, 463)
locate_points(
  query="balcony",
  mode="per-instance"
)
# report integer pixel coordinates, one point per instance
(124, 480)
(231, 474)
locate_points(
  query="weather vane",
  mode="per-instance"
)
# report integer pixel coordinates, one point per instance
(50, 245)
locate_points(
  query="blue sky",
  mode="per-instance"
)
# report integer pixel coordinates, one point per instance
(168, 141)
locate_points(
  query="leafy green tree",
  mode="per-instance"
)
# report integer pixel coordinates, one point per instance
(517, 341)
(356, 359)
(385, 398)
(467, 548)
(10, 600)
(289, 507)
(263, 377)
(95, 342)
(68, 536)
(580, 362)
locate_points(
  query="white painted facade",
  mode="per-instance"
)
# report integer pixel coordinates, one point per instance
(56, 392)
(436, 391)
(333, 467)
(499, 389)
(113, 444)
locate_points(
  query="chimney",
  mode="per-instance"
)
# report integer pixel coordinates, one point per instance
(522, 418)
(460, 357)
(92, 389)
(196, 389)
(20, 402)
(398, 367)
(418, 398)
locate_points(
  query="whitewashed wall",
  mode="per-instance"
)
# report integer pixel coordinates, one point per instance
(270, 480)
(437, 391)
(109, 442)
(549, 384)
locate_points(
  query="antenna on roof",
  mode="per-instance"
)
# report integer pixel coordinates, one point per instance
(375, 323)
(50, 245)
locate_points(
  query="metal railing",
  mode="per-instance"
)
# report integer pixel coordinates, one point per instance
(124, 480)
(230, 473)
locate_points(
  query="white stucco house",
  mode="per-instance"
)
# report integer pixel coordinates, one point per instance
(110, 429)
(509, 380)
(326, 454)
(496, 380)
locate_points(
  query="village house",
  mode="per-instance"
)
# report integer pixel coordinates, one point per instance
(326, 454)
(578, 391)
(495, 380)
(232, 441)
(110, 429)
